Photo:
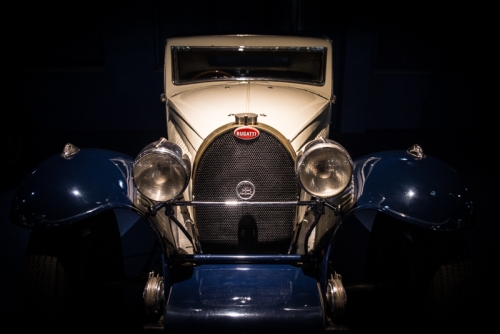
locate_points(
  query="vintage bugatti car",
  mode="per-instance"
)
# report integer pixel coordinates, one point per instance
(256, 220)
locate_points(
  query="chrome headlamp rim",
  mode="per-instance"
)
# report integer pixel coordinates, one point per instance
(313, 146)
(164, 147)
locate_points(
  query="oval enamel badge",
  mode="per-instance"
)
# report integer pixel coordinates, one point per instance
(246, 132)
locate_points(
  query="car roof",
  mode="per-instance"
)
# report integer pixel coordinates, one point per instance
(249, 40)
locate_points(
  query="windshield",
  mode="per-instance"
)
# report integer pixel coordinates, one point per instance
(293, 64)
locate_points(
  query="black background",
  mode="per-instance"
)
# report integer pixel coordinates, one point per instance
(91, 73)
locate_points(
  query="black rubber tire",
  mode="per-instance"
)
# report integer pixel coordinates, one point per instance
(423, 280)
(68, 275)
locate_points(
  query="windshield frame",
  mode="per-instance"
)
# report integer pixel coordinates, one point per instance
(303, 65)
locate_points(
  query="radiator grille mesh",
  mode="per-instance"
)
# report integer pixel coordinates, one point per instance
(265, 163)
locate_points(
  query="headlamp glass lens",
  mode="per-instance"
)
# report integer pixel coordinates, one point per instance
(325, 172)
(159, 177)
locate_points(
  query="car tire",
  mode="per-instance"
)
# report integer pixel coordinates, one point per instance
(422, 279)
(68, 276)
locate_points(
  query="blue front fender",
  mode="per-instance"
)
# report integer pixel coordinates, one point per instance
(63, 191)
(421, 191)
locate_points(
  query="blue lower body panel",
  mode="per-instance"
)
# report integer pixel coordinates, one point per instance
(243, 298)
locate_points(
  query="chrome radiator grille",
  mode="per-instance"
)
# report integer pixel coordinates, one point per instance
(265, 163)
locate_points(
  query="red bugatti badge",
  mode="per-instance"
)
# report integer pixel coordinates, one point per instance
(246, 132)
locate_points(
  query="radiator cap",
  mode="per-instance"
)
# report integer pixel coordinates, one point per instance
(246, 118)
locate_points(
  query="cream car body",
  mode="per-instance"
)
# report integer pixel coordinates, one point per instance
(299, 111)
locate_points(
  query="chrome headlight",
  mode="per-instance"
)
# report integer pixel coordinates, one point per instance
(324, 169)
(161, 173)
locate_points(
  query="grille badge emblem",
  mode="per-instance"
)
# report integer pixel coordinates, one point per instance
(245, 190)
(246, 132)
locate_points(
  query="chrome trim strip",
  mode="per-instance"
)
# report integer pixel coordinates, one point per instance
(281, 204)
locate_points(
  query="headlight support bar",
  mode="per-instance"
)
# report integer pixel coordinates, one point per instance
(237, 203)
(169, 212)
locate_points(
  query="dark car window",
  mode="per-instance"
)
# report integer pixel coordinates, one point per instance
(297, 64)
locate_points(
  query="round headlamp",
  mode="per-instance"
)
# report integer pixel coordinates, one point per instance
(161, 172)
(324, 169)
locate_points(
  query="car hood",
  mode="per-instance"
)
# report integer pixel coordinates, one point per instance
(289, 110)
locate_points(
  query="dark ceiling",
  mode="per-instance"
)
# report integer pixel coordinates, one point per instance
(91, 72)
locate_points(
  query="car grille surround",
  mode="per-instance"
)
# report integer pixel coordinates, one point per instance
(267, 164)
